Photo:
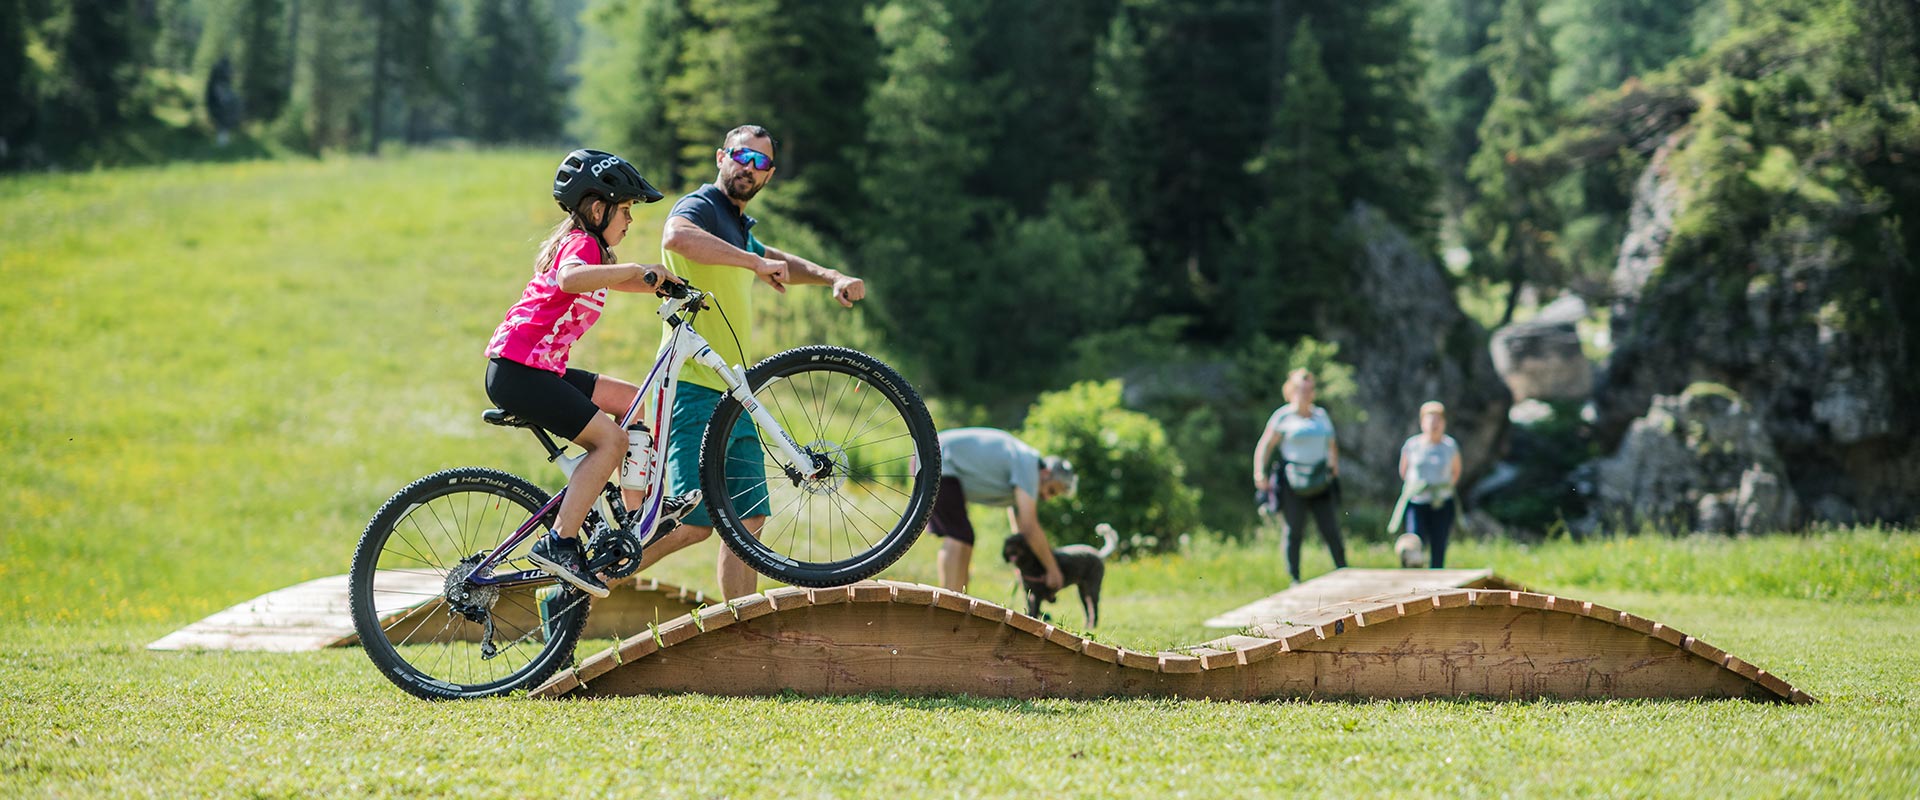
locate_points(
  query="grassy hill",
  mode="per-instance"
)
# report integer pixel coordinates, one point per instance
(212, 375)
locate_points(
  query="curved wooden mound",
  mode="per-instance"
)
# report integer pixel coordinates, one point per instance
(918, 640)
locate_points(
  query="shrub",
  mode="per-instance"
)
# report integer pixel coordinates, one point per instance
(1130, 476)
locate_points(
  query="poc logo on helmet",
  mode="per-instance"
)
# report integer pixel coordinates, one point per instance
(602, 165)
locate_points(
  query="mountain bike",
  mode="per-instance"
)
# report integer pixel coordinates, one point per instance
(443, 597)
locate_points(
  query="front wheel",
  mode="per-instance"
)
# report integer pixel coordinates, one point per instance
(422, 624)
(880, 457)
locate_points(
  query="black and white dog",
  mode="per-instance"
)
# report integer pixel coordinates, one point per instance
(1080, 565)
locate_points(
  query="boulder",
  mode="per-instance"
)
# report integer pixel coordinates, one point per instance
(1700, 461)
(1541, 359)
(1415, 345)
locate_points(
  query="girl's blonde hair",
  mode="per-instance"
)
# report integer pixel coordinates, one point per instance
(1294, 379)
(550, 249)
(1433, 407)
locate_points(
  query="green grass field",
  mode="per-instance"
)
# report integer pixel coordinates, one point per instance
(212, 375)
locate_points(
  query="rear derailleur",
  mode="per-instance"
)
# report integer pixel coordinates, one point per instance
(473, 601)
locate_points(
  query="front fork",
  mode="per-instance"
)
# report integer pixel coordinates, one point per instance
(799, 461)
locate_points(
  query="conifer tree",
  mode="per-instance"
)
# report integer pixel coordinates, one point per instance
(17, 90)
(1290, 253)
(1457, 87)
(1514, 222)
(261, 57)
(629, 52)
(920, 239)
(511, 88)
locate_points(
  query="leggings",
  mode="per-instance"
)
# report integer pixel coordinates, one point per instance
(1433, 524)
(1294, 509)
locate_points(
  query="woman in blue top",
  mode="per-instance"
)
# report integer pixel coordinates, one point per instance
(1304, 477)
(1430, 461)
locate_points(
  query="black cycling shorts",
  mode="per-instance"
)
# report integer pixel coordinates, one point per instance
(560, 404)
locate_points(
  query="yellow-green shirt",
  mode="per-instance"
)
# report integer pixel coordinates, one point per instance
(730, 288)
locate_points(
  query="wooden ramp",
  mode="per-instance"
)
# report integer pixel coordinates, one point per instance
(1342, 585)
(911, 639)
(314, 615)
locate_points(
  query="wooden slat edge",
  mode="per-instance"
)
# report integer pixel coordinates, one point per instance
(870, 592)
(1100, 651)
(597, 665)
(561, 683)
(1066, 639)
(678, 630)
(989, 611)
(637, 647)
(1179, 663)
(713, 618)
(751, 607)
(1028, 624)
(1706, 651)
(827, 597)
(787, 598)
(912, 594)
(953, 601)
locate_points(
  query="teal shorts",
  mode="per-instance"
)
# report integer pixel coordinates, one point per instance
(746, 464)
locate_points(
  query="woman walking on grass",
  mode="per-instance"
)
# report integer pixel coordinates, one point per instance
(1306, 477)
(1430, 464)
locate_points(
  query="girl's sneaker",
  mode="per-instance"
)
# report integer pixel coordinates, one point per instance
(563, 559)
(672, 510)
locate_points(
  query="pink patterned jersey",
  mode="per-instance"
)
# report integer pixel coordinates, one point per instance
(540, 329)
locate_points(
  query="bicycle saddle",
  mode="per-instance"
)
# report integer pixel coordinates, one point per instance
(500, 417)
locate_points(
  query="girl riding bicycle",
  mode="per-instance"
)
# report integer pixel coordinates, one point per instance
(527, 372)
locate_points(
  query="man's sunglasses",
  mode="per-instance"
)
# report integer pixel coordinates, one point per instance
(749, 157)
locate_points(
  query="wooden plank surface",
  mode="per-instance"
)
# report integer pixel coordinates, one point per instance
(315, 614)
(1352, 583)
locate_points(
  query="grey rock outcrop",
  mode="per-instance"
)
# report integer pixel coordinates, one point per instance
(1783, 331)
(1417, 345)
(1697, 461)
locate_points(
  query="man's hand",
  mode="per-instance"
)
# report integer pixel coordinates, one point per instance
(848, 289)
(1054, 578)
(774, 272)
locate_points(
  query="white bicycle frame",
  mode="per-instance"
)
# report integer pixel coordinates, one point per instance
(686, 344)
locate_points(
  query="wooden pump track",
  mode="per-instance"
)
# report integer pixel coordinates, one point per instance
(889, 637)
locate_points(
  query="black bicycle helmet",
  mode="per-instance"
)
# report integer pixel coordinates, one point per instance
(595, 172)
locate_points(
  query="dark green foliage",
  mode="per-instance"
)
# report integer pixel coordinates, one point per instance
(18, 89)
(918, 243)
(1545, 452)
(1604, 42)
(1291, 258)
(800, 68)
(262, 69)
(1130, 476)
(1457, 87)
(94, 43)
(1814, 132)
(1514, 219)
(507, 70)
(630, 50)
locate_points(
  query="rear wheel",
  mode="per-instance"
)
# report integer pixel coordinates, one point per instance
(865, 425)
(413, 557)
